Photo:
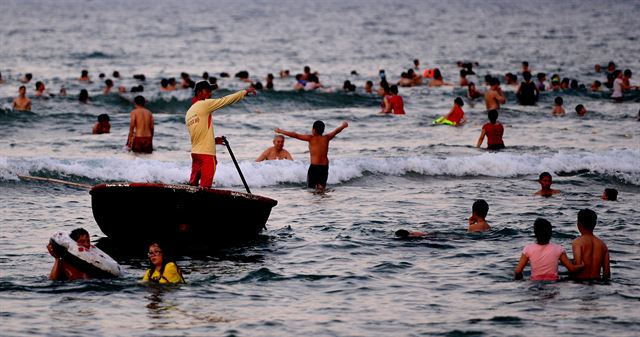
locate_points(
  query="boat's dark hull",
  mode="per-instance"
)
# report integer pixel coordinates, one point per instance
(143, 212)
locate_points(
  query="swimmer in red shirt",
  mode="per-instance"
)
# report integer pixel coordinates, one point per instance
(455, 116)
(393, 102)
(493, 131)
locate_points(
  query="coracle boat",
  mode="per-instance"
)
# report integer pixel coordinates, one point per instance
(181, 214)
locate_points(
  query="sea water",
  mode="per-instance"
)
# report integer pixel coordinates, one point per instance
(327, 264)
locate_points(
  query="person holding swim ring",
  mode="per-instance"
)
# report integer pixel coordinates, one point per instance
(63, 271)
(162, 269)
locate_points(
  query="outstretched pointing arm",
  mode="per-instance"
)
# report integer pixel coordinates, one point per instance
(339, 129)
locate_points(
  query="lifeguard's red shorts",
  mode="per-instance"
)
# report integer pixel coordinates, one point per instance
(203, 168)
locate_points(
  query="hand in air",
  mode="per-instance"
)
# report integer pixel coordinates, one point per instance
(345, 124)
(278, 130)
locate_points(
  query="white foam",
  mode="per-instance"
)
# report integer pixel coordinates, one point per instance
(621, 164)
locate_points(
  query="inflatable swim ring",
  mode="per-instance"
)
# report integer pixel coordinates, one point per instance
(444, 121)
(93, 261)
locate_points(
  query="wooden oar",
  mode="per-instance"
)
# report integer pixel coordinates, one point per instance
(56, 181)
(226, 142)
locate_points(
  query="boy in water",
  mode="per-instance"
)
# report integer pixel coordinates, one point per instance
(22, 102)
(610, 194)
(558, 110)
(477, 222)
(64, 271)
(494, 131)
(140, 137)
(581, 110)
(590, 250)
(318, 152)
(494, 96)
(103, 125)
(405, 234)
(545, 181)
(455, 116)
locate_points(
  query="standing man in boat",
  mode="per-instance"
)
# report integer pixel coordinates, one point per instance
(199, 122)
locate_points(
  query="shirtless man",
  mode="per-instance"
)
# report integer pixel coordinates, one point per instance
(318, 152)
(590, 250)
(277, 151)
(494, 96)
(21, 102)
(140, 128)
(545, 181)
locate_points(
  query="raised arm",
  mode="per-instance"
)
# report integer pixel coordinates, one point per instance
(337, 130)
(293, 134)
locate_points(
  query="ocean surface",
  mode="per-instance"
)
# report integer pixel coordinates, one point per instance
(327, 264)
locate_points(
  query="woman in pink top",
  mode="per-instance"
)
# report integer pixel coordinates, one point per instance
(544, 256)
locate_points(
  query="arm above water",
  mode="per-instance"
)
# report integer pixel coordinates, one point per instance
(570, 266)
(339, 129)
(293, 134)
(517, 273)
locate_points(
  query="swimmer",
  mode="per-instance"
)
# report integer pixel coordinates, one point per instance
(610, 194)
(368, 87)
(284, 73)
(275, 152)
(41, 90)
(463, 78)
(545, 181)
(186, 81)
(173, 85)
(22, 103)
(405, 234)
(102, 126)
(162, 268)
(543, 256)
(477, 222)
(416, 64)
(300, 83)
(84, 96)
(318, 152)
(455, 115)
(64, 271)
(581, 110)
(269, 80)
(414, 77)
(84, 76)
(140, 137)
(405, 80)
(590, 250)
(596, 86)
(164, 85)
(27, 78)
(511, 79)
(558, 110)
(494, 96)
(542, 77)
(527, 92)
(493, 131)
(472, 92)
(393, 102)
(108, 85)
(437, 79)
(525, 67)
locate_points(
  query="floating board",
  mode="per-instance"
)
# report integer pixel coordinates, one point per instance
(444, 121)
(93, 261)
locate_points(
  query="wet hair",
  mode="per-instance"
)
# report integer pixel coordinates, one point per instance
(319, 127)
(611, 193)
(542, 231)
(416, 61)
(525, 63)
(38, 84)
(463, 73)
(298, 77)
(201, 85)
(470, 85)
(587, 219)
(494, 81)
(167, 257)
(480, 207)
(116, 74)
(314, 78)
(527, 76)
(77, 233)
(108, 82)
(402, 233)
(22, 87)
(84, 95)
(493, 116)
(270, 76)
(138, 88)
(307, 69)
(223, 74)
(611, 64)
(627, 72)
(540, 76)
(384, 85)
(558, 100)
(139, 100)
(544, 174)
(597, 83)
(346, 85)
(458, 101)
(436, 74)
(184, 75)
(172, 80)
(393, 89)
(84, 73)
(205, 75)
(257, 85)
(579, 108)
(574, 84)
(140, 77)
(243, 74)
(103, 118)
(370, 83)
(28, 76)
(354, 73)
(101, 75)
(164, 82)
